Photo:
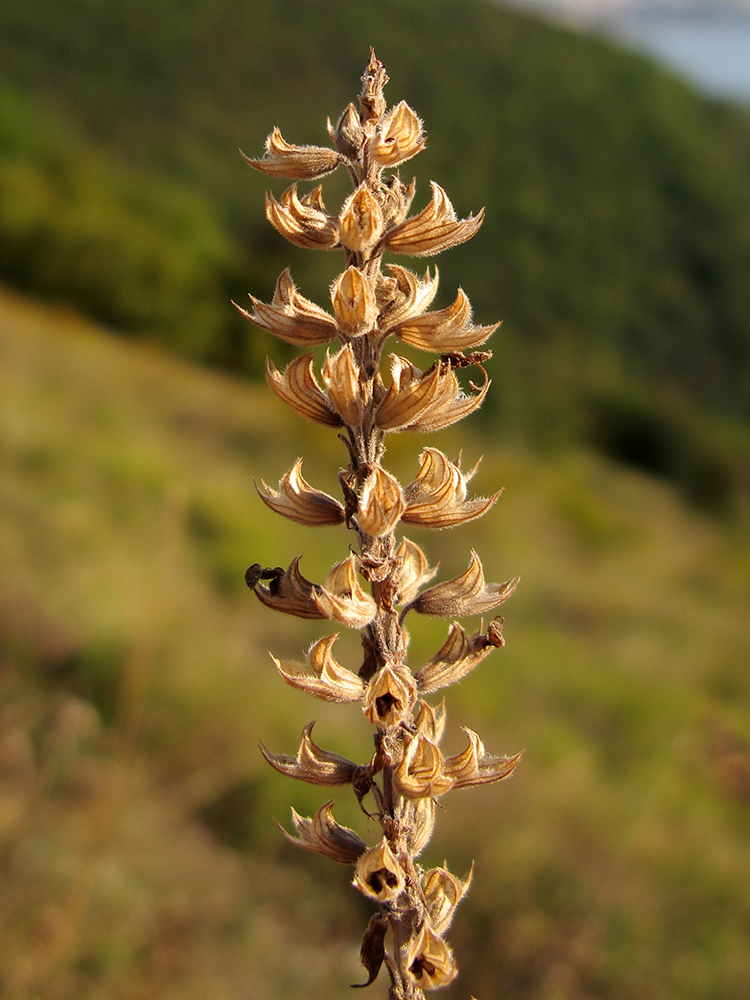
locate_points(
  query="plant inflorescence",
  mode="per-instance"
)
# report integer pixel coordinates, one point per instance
(384, 578)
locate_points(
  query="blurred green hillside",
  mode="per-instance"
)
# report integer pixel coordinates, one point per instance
(617, 240)
(138, 854)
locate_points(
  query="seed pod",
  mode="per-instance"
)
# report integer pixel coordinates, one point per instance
(303, 221)
(434, 229)
(298, 501)
(425, 402)
(389, 696)
(340, 375)
(290, 316)
(353, 302)
(324, 835)
(288, 591)
(443, 892)
(348, 135)
(429, 960)
(294, 162)
(476, 767)
(381, 503)
(466, 594)
(437, 497)
(360, 220)
(378, 874)
(408, 296)
(458, 655)
(342, 598)
(322, 675)
(420, 773)
(399, 137)
(312, 764)
(446, 330)
(298, 387)
(430, 722)
(410, 572)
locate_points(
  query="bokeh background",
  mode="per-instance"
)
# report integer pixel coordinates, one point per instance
(138, 854)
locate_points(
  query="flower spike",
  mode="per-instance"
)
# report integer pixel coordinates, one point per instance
(384, 576)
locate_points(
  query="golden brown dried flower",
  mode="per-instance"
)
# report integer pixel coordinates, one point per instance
(324, 835)
(312, 764)
(294, 162)
(466, 594)
(434, 229)
(298, 501)
(291, 317)
(322, 675)
(378, 874)
(429, 961)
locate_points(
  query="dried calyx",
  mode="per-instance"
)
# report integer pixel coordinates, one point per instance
(383, 578)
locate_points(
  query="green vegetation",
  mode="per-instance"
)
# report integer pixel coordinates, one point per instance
(138, 856)
(617, 240)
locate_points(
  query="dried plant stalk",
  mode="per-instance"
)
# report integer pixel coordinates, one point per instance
(373, 589)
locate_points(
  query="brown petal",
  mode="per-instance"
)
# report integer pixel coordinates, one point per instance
(298, 501)
(434, 229)
(466, 594)
(295, 162)
(298, 387)
(319, 767)
(290, 316)
(474, 766)
(303, 221)
(323, 835)
(342, 598)
(322, 675)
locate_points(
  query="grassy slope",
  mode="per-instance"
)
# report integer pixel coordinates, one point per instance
(138, 853)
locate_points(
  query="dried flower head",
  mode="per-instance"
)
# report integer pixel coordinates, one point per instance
(384, 576)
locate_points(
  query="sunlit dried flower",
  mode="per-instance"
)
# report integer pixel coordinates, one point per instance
(304, 221)
(324, 835)
(294, 162)
(384, 576)
(466, 594)
(434, 229)
(322, 675)
(298, 501)
(312, 764)
(429, 961)
(378, 874)
(389, 696)
(291, 317)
